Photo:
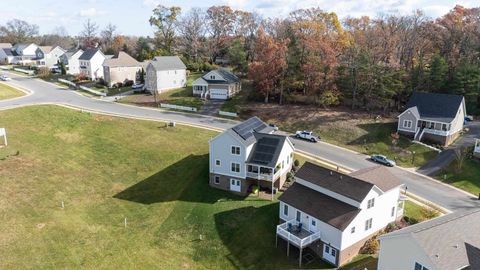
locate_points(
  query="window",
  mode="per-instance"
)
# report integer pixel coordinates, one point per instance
(217, 180)
(420, 267)
(371, 203)
(299, 215)
(217, 162)
(334, 252)
(393, 211)
(352, 230)
(212, 77)
(327, 249)
(288, 160)
(235, 150)
(285, 210)
(314, 222)
(235, 167)
(368, 224)
(407, 124)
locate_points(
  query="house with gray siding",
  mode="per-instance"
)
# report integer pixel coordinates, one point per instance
(248, 155)
(217, 84)
(433, 117)
(49, 56)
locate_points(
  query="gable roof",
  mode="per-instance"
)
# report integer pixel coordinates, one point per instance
(451, 241)
(435, 106)
(246, 129)
(5, 45)
(380, 176)
(339, 183)
(9, 52)
(324, 208)
(45, 49)
(88, 54)
(121, 59)
(228, 77)
(160, 63)
(267, 149)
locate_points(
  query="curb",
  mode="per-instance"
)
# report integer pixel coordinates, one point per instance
(324, 161)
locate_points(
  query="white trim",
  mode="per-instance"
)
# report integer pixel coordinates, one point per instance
(410, 122)
(239, 150)
(239, 167)
(219, 162)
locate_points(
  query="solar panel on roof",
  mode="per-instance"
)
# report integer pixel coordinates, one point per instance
(245, 129)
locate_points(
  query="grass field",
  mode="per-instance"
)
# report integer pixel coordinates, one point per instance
(467, 179)
(7, 92)
(418, 212)
(106, 169)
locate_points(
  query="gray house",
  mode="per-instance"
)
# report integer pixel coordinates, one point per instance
(217, 84)
(434, 117)
(49, 56)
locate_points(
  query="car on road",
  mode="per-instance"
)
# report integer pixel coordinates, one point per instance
(307, 135)
(382, 160)
(4, 77)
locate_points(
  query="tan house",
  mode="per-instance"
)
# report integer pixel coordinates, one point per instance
(120, 68)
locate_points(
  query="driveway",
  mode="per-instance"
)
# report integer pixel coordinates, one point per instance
(211, 107)
(46, 93)
(434, 166)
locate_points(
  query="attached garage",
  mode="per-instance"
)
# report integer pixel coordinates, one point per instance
(218, 94)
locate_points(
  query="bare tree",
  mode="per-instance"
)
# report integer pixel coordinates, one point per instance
(460, 157)
(18, 31)
(108, 35)
(60, 31)
(89, 34)
(192, 30)
(221, 21)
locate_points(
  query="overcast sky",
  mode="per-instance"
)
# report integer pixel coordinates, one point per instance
(131, 16)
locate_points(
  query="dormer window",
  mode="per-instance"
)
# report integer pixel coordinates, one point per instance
(371, 203)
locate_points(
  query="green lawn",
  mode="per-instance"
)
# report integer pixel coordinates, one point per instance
(467, 179)
(181, 97)
(418, 212)
(362, 262)
(106, 169)
(233, 104)
(7, 92)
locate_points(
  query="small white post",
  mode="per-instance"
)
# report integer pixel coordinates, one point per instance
(125, 222)
(63, 205)
(4, 134)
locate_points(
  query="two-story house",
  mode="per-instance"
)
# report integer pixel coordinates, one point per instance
(24, 53)
(217, 84)
(450, 242)
(165, 73)
(120, 68)
(91, 63)
(431, 116)
(71, 59)
(249, 154)
(49, 56)
(334, 213)
(6, 55)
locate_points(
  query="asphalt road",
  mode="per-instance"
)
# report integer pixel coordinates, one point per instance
(422, 186)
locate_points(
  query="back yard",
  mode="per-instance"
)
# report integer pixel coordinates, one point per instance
(356, 130)
(7, 92)
(106, 169)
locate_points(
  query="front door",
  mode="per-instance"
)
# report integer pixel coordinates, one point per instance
(330, 254)
(235, 185)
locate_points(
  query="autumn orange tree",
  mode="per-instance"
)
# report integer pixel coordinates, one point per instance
(267, 69)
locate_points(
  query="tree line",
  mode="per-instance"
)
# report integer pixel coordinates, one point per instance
(310, 56)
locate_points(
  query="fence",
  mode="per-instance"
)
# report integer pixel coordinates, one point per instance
(231, 114)
(67, 82)
(5, 67)
(178, 107)
(93, 91)
(29, 72)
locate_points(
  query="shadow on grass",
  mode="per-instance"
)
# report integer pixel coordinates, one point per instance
(185, 180)
(368, 262)
(249, 235)
(376, 133)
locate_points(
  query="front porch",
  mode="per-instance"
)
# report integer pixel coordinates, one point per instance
(431, 127)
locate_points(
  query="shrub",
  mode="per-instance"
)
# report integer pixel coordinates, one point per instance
(371, 246)
(118, 85)
(296, 163)
(429, 213)
(128, 83)
(43, 72)
(289, 177)
(391, 227)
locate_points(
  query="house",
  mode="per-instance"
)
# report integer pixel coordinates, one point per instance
(120, 68)
(449, 242)
(165, 73)
(476, 149)
(6, 55)
(248, 155)
(217, 84)
(49, 56)
(5, 45)
(91, 63)
(71, 59)
(434, 117)
(334, 214)
(24, 53)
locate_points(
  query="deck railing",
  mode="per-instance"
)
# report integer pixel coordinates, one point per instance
(282, 230)
(262, 176)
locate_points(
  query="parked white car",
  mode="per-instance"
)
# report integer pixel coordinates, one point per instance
(307, 135)
(4, 77)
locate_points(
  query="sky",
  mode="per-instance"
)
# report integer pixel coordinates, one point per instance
(131, 16)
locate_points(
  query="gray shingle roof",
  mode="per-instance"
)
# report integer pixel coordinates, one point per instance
(88, 54)
(451, 241)
(167, 63)
(9, 52)
(5, 45)
(380, 176)
(121, 59)
(339, 183)
(436, 107)
(227, 75)
(267, 149)
(325, 208)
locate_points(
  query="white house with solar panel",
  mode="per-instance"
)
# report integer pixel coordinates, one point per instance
(249, 155)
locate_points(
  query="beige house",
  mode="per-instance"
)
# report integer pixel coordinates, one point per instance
(120, 68)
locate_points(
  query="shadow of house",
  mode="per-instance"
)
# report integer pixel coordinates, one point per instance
(249, 235)
(185, 180)
(376, 132)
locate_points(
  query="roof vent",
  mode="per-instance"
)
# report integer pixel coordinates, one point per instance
(437, 256)
(331, 173)
(456, 246)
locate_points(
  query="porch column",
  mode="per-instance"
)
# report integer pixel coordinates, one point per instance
(300, 259)
(272, 190)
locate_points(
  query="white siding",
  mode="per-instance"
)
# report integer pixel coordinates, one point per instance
(401, 253)
(165, 79)
(30, 50)
(96, 66)
(74, 63)
(220, 149)
(457, 123)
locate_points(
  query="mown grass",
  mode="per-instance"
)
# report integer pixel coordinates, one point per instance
(7, 92)
(233, 104)
(468, 178)
(418, 213)
(106, 169)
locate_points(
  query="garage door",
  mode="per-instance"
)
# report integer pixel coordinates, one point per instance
(218, 94)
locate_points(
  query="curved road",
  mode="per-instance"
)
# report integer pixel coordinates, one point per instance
(47, 93)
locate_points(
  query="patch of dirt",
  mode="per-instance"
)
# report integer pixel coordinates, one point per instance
(41, 225)
(69, 137)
